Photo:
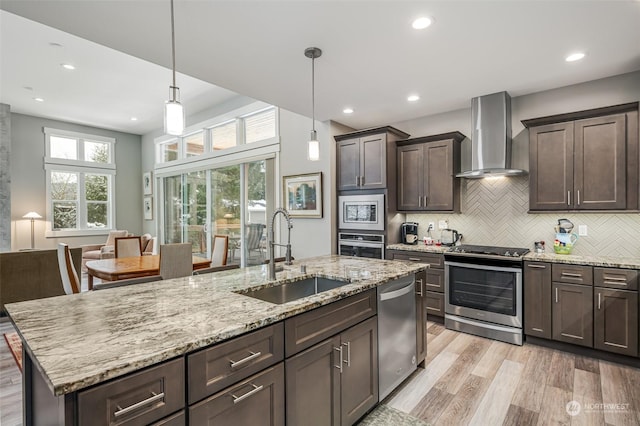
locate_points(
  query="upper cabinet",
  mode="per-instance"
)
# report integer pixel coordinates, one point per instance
(584, 161)
(426, 173)
(363, 158)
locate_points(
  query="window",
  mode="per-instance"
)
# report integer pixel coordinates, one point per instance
(194, 144)
(224, 136)
(80, 190)
(260, 126)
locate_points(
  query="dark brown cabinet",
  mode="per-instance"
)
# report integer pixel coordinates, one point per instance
(258, 400)
(336, 381)
(363, 158)
(426, 170)
(537, 299)
(584, 162)
(572, 313)
(616, 320)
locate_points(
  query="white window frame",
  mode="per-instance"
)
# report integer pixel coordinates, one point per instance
(83, 168)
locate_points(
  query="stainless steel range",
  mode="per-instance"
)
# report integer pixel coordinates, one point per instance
(483, 291)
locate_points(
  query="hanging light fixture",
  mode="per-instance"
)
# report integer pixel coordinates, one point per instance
(313, 148)
(173, 110)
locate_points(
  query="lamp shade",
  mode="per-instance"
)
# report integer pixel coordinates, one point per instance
(313, 150)
(32, 215)
(173, 118)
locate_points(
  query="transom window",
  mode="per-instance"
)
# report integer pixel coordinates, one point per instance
(80, 188)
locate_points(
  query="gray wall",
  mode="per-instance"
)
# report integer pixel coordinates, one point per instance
(28, 180)
(495, 211)
(5, 177)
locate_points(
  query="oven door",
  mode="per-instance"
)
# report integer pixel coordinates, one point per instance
(487, 293)
(360, 249)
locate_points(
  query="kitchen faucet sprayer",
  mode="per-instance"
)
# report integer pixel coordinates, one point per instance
(272, 243)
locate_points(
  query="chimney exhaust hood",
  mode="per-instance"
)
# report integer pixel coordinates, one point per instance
(491, 138)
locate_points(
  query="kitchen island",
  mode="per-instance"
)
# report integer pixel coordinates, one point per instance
(75, 343)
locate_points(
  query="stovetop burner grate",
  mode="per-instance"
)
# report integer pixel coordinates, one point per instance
(470, 249)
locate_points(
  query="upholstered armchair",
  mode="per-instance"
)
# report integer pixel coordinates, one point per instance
(101, 251)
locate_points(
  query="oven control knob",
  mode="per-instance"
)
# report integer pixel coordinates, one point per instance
(515, 254)
(507, 253)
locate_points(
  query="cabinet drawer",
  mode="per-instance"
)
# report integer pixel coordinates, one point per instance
(435, 280)
(625, 279)
(309, 328)
(435, 303)
(574, 274)
(213, 369)
(178, 419)
(434, 260)
(137, 399)
(258, 400)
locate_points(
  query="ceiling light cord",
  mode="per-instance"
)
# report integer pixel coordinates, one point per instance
(313, 93)
(173, 55)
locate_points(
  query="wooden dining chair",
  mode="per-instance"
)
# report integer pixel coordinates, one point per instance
(220, 250)
(122, 283)
(128, 247)
(70, 281)
(175, 260)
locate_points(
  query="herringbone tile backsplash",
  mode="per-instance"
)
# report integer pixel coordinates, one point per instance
(494, 212)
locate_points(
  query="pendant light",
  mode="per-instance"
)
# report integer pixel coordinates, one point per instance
(173, 110)
(313, 148)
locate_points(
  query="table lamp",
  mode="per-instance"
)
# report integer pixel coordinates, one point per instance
(33, 216)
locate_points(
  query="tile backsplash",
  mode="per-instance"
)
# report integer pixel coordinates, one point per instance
(494, 212)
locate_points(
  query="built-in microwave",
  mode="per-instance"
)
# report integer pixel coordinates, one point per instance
(361, 212)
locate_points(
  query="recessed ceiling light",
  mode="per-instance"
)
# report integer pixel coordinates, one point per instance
(27, 88)
(134, 118)
(38, 99)
(68, 66)
(422, 23)
(348, 110)
(413, 98)
(54, 44)
(574, 57)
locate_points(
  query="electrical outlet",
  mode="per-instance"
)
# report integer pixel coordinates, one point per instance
(443, 224)
(582, 230)
(432, 226)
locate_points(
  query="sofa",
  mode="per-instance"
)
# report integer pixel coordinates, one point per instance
(107, 250)
(31, 274)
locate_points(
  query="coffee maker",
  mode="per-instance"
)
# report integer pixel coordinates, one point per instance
(409, 233)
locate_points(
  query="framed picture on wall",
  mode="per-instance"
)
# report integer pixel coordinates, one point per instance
(147, 184)
(147, 207)
(302, 195)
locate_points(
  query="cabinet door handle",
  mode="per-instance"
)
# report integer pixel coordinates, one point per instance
(614, 278)
(571, 274)
(420, 292)
(419, 201)
(253, 356)
(578, 197)
(599, 299)
(153, 398)
(556, 294)
(533, 265)
(348, 361)
(255, 390)
(361, 180)
(339, 366)
(568, 198)
(415, 259)
(425, 201)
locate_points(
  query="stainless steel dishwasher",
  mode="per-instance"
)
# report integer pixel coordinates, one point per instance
(396, 333)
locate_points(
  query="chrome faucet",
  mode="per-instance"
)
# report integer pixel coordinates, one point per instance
(272, 243)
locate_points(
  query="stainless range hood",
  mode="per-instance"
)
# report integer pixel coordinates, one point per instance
(491, 138)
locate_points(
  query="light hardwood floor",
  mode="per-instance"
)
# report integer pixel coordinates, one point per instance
(470, 380)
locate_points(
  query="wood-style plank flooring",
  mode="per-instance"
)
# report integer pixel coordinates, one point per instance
(470, 380)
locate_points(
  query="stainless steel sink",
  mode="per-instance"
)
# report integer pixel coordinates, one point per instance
(287, 292)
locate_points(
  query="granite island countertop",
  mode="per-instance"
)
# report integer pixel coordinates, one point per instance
(83, 339)
(603, 261)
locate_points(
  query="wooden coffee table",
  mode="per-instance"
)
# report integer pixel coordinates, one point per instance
(131, 267)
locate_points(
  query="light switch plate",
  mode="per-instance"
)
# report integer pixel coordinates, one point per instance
(443, 224)
(582, 230)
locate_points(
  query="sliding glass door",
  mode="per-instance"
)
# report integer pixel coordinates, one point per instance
(233, 201)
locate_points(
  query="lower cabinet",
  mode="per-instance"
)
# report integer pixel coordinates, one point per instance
(258, 400)
(572, 314)
(616, 321)
(334, 382)
(537, 299)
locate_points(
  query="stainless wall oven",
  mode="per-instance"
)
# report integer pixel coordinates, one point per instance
(483, 291)
(361, 212)
(361, 245)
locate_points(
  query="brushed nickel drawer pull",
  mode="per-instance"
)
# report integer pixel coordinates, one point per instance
(536, 266)
(614, 279)
(339, 366)
(348, 361)
(571, 274)
(556, 294)
(253, 356)
(153, 398)
(415, 259)
(420, 292)
(599, 301)
(255, 389)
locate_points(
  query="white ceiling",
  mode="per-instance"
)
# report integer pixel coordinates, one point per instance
(372, 57)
